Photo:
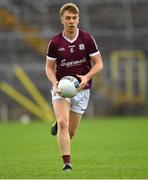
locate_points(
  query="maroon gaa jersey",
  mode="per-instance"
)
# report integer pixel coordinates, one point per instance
(72, 56)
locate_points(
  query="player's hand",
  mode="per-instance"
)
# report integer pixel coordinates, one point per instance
(84, 81)
(55, 87)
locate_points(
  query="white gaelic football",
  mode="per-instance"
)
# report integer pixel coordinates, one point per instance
(68, 86)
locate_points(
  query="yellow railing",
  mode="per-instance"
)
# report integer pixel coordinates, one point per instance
(39, 107)
(119, 95)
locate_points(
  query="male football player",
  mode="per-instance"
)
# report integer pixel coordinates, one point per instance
(72, 52)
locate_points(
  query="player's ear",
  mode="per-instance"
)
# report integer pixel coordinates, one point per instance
(61, 18)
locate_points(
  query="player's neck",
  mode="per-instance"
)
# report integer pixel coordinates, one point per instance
(70, 35)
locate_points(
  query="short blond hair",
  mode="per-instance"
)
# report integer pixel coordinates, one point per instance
(71, 7)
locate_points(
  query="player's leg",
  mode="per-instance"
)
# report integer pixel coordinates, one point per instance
(74, 121)
(78, 106)
(61, 109)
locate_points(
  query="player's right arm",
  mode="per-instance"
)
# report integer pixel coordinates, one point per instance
(51, 63)
(50, 72)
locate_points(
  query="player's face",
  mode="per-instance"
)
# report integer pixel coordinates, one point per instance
(70, 21)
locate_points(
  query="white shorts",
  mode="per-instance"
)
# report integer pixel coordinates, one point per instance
(78, 103)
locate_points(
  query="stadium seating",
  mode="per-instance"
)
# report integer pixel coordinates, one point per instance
(26, 27)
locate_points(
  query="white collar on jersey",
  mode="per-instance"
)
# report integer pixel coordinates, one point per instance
(71, 41)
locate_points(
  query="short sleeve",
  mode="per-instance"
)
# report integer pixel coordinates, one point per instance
(51, 51)
(92, 46)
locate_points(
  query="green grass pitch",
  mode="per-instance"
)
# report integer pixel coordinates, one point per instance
(103, 148)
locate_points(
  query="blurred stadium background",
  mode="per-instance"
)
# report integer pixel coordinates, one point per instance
(121, 30)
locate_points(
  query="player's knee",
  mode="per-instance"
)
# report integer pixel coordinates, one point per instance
(62, 123)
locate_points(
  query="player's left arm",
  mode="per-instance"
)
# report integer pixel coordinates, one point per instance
(97, 66)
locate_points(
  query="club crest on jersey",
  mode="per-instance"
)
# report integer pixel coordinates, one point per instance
(72, 48)
(81, 47)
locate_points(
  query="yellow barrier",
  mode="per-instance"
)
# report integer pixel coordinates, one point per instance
(128, 95)
(18, 97)
(33, 91)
